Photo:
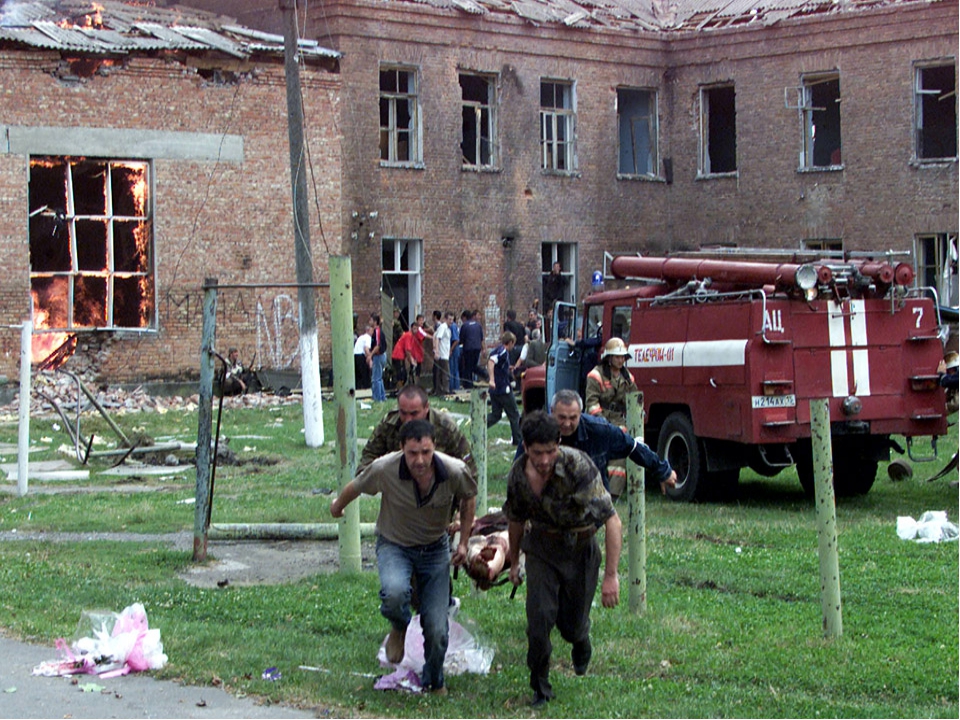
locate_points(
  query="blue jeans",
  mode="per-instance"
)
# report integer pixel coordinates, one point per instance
(455, 368)
(430, 566)
(376, 380)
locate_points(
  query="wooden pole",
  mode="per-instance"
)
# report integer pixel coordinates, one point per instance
(478, 444)
(23, 437)
(636, 514)
(205, 420)
(830, 602)
(345, 404)
(309, 355)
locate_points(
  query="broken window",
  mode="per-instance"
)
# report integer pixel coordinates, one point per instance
(478, 144)
(637, 121)
(936, 103)
(399, 116)
(936, 256)
(557, 116)
(820, 112)
(91, 244)
(564, 253)
(402, 262)
(718, 130)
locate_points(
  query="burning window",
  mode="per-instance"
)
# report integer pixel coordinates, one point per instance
(718, 130)
(91, 244)
(936, 103)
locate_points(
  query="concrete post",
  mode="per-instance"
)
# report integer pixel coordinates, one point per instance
(309, 355)
(201, 515)
(23, 439)
(830, 603)
(478, 444)
(345, 404)
(636, 514)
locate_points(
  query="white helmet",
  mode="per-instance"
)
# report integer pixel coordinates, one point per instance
(615, 346)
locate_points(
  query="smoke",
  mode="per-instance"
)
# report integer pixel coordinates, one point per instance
(15, 13)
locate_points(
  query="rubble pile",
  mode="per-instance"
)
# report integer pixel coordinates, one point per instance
(66, 393)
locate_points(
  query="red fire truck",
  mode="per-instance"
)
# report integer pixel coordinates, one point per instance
(728, 355)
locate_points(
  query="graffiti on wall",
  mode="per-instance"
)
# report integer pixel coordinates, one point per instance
(268, 321)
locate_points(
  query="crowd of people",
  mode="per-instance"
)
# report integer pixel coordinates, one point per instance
(454, 347)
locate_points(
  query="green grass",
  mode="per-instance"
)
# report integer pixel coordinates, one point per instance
(732, 628)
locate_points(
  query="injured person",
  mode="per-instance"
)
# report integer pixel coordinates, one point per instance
(487, 556)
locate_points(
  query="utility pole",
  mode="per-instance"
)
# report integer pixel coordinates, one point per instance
(309, 356)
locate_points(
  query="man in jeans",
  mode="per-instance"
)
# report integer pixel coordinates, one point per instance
(417, 487)
(501, 392)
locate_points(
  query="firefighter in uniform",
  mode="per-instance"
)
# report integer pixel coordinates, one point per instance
(606, 396)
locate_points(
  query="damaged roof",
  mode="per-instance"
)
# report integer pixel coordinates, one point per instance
(658, 15)
(111, 28)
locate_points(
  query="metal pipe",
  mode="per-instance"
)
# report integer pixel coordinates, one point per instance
(783, 275)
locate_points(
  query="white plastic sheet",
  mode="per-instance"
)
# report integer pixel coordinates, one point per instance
(932, 527)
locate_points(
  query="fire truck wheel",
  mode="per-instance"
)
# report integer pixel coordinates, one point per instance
(679, 446)
(854, 469)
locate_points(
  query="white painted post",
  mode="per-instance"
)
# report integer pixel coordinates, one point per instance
(830, 602)
(23, 443)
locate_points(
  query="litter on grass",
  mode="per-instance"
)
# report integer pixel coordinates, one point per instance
(108, 644)
(464, 654)
(932, 527)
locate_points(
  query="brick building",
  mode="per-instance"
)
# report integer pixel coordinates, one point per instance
(515, 134)
(462, 147)
(145, 150)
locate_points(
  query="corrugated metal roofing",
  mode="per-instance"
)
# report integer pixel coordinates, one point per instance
(112, 27)
(656, 15)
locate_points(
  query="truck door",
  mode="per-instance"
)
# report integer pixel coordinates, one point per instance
(563, 359)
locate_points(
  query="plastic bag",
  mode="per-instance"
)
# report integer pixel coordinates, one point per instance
(109, 644)
(932, 526)
(464, 654)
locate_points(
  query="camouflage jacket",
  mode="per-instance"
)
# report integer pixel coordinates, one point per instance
(573, 498)
(447, 438)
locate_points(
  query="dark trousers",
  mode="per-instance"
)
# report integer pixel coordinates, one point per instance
(562, 577)
(441, 377)
(505, 403)
(470, 360)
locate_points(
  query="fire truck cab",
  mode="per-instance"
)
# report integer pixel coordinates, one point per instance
(728, 356)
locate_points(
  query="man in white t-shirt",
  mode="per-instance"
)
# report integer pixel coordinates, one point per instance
(441, 345)
(363, 357)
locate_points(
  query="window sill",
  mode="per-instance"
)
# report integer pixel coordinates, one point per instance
(820, 168)
(479, 169)
(560, 173)
(718, 176)
(932, 162)
(640, 178)
(403, 165)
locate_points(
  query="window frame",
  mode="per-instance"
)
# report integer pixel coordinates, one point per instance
(653, 131)
(413, 272)
(704, 169)
(918, 115)
(392, 132)
(566, 253)
(119, 247)
(929, 271)
(553, 118)
(808, 123)
(491, 106)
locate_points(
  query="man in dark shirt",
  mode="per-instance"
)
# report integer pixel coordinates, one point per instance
(502, 399)
(603, 441)
(471, 340)
(519, 332)
(555, 504)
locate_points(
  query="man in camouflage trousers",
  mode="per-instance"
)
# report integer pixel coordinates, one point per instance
(413, 404)
(556, 501)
